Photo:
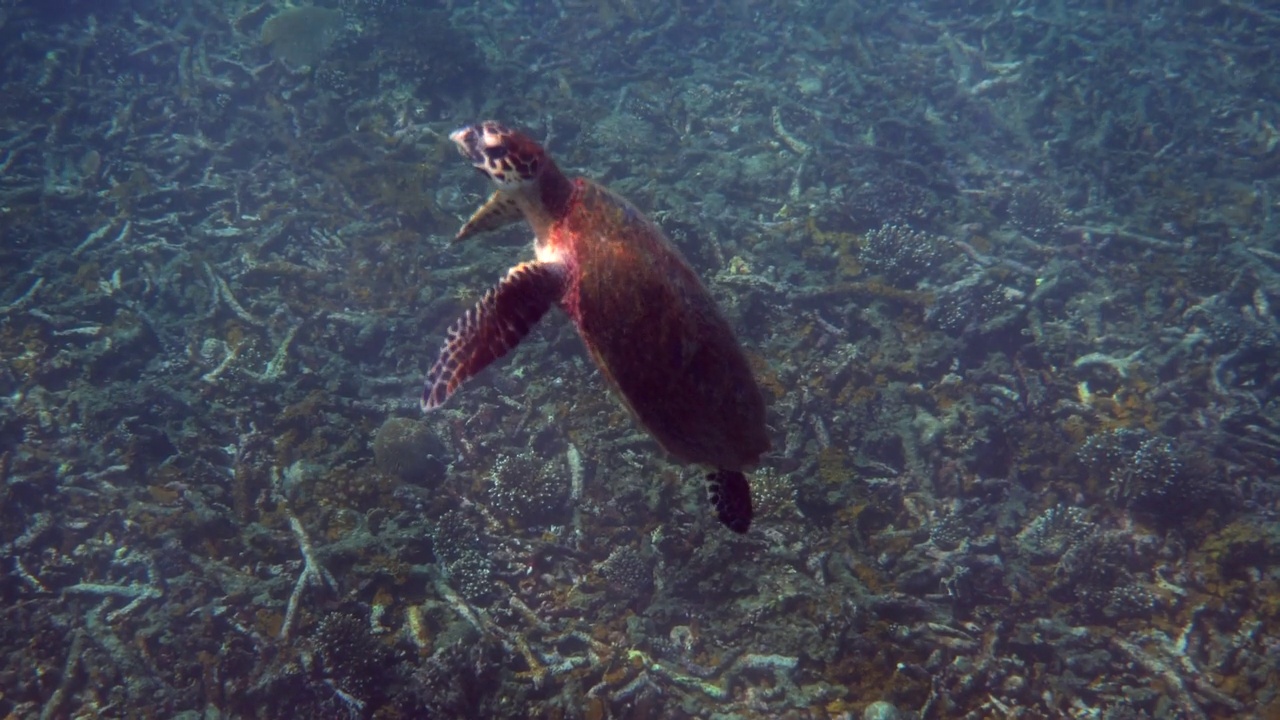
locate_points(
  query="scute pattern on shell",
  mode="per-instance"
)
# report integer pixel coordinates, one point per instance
(658, 336)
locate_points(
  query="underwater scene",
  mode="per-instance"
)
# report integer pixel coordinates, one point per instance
(933, 370)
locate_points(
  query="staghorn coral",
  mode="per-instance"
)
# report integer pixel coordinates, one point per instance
(458, 680)
(471, 575)
(336, 82)
(532, 493)
(1127, 600)
(1035, 213)
(626, 571)
(902, 255)
(889, 201)
(454, 534)
(774, 494)
(1104, 577)
(1055, 531)
(1146, 472)
(980, 303)
(352, 659)
(948, 531)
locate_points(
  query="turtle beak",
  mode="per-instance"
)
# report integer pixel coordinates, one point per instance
(468, 141)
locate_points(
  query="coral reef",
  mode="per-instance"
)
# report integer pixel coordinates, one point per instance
(352, 659)
(1145, 472)
(902, 255)
(626, 571)
(408, 449)
(1007, 272)
(532, 493)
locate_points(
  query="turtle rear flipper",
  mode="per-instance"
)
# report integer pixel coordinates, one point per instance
(730, 495)
(497, 323)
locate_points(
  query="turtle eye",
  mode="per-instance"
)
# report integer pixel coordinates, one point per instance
(496, 152)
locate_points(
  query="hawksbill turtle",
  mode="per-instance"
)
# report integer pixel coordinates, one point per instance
(645, 317)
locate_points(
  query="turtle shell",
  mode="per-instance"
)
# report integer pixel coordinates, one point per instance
(656, 332)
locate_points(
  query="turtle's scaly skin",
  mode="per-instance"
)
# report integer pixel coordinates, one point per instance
(646, 318)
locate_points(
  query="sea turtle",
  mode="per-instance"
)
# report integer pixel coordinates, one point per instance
(645, 317)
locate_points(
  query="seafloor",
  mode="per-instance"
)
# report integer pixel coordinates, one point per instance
(1008, 273)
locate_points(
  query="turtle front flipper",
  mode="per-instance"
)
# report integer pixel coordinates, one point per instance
(730, 495)
(497, 323)
(500, 210)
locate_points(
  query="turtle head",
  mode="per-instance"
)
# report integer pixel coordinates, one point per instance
(508, 157)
